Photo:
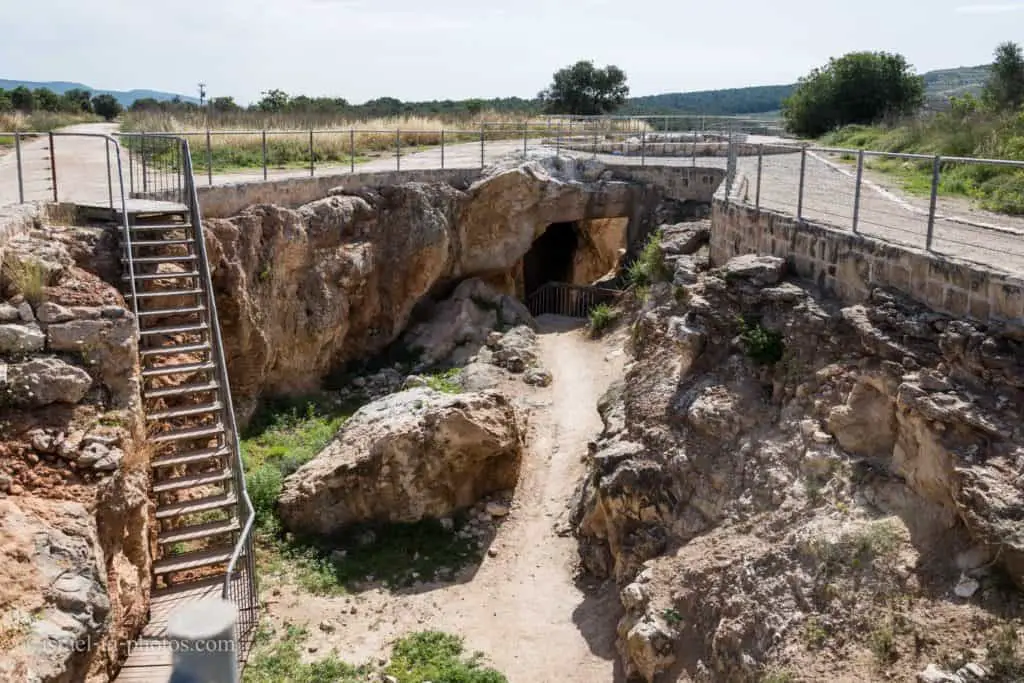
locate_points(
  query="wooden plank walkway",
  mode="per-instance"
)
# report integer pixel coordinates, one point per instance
(136, 207)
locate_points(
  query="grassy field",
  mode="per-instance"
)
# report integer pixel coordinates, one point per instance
(991, 187)
(41, 121)
(236, 142)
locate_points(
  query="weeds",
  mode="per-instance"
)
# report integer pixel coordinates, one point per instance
(883, 644)
(778, 677)
(439, 657)
(601, 317)
(671, 616)
(28, 278)
(649, 267)
(446, 382)
(282, 661)
(815, 634)
(1003, 656)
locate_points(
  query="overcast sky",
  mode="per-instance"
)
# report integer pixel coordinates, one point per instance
(435, 49)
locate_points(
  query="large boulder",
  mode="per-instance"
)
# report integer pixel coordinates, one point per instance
(409, 456)
(42, 381)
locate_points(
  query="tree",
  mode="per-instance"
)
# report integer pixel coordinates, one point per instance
(584, 89)
(77, 101)
(22, 99)
(46, 99)
(860, 87)
(224, 104)
(273, 100)
(106, 106)
(5, 101)
(1004, 90)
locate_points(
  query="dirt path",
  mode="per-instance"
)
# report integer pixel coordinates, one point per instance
(522, 606)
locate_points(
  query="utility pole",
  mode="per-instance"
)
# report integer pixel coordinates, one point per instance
(202, 94)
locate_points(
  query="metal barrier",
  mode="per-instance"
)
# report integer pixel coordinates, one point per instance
(925, 201)
(574, 301)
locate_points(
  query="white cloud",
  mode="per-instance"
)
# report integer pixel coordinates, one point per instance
(1003, 8)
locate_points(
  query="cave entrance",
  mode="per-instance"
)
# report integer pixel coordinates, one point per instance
(551, 257)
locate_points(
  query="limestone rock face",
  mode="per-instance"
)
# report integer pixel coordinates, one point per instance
(52, 589)
(302, 292)
(409, 456)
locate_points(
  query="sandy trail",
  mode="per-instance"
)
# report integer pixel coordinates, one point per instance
(523, 607)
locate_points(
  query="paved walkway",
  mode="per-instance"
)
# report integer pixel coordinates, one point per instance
(829, 190)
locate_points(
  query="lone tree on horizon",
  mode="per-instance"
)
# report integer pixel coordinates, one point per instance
(584, 89)
(1004, 90)
(859, 87)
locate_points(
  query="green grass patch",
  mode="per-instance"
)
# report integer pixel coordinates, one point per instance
(447, 382)
(395, 554)
(281, 660)
(440, 658)
(284, 435)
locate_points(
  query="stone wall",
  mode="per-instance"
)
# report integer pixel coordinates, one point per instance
(848, 265)
(222, 201)
(682, 183)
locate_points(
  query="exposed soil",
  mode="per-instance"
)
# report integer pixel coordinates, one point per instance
(523, 607)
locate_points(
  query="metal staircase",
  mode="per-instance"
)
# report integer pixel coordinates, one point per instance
(203, 514)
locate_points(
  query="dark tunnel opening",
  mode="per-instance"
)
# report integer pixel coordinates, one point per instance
(550, 258)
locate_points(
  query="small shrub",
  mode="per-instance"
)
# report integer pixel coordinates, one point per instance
(264, 485)
(671, 616)
(1003, 656)
(439, 657)
(778, 677)
(815, 634)
(649, 267)
(763, 346)
(883, 644)
(446, 382)
(601, 317)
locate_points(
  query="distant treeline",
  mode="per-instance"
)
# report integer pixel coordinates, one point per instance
(753, 100)
(75, 102)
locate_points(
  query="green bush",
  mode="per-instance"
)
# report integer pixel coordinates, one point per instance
(763, 346)
(282, 661)
(264, 486)
(438, 657)
(446, 382)
(601, 317)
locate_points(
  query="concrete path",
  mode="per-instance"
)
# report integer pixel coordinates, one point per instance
(885, 212)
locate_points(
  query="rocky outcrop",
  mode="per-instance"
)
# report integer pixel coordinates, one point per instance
(74, 521)
(302, 292)
(412, 455)
(760, 434)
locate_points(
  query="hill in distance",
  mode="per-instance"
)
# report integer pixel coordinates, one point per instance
(125, 97)
(939, 85)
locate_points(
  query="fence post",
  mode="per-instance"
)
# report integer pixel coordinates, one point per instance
(558, 140)
(760, 164)
(595, 144)
(442, 149)
(526, 135)
(398, 149)
(264, 154)
(800, 195)
(856, 190)
(482, 136)
(142, 154)
(209, 159)
(312, 157)
(936, 172)
(53, 168)
(206, 646)
(352, 150)
(21, 178)
(110, 181)
(643, 148)
(131, 171)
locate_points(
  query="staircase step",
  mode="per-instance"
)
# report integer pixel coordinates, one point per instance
(188, 433)
(172, 350)
(162, 259)
(181, 368)
(197, 388)
(178, 483)
(173, 311)
(197, 532)
(186, 411)
(191, 507)
(174, 329)
(165, 292)
(162, 226)
(161, 276)
(193, 560)
(161, 243)
(189, 457)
